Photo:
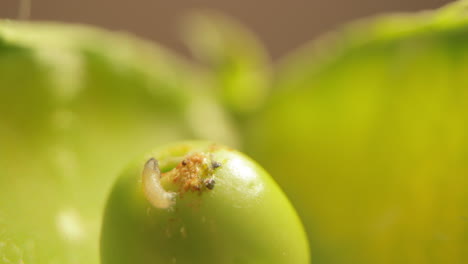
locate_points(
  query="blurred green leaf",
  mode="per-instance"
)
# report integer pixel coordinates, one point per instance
(366, 132)
(235, 62)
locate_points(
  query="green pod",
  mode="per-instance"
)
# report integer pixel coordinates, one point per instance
(197, 202)
(370, 139)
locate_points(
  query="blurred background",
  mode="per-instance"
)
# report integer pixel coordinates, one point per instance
(281, 25)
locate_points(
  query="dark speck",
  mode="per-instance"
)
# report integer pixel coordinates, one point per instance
(215, 164)
(210, 183)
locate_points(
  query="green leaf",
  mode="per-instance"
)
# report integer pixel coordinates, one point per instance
(367, 133)
(235, 62)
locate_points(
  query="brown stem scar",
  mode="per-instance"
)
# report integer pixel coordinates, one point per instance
(195, 173)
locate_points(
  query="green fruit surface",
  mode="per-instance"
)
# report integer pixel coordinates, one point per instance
(367, 134)
(245, 218)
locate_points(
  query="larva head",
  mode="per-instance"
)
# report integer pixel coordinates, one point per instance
(197, 202)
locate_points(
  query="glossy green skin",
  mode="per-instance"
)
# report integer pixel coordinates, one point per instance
(246, 218)
(369, 140)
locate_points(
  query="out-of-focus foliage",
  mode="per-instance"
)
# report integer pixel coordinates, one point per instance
(232, 67)
(367, 133)
(238, 68)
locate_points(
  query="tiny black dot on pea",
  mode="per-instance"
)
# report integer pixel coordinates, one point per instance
(210, 183)
(215, 164)
(184, 162)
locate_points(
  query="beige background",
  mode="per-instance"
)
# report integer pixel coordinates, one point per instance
(281, 24)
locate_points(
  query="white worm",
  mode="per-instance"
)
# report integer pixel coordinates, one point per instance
(154, 192)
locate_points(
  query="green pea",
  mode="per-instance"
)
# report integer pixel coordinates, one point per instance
(198, 202)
